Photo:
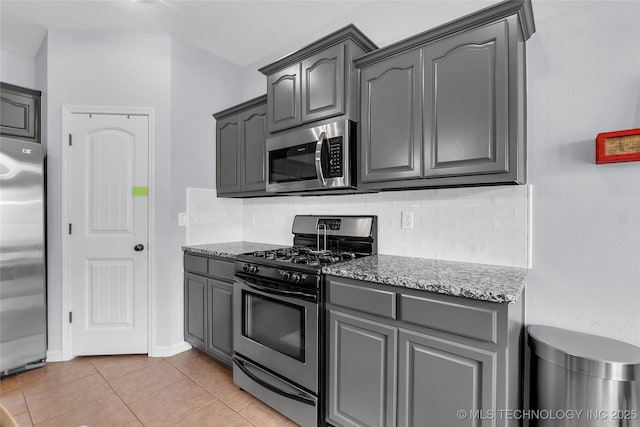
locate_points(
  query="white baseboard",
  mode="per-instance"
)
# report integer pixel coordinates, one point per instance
(169, 350)
(55, 356)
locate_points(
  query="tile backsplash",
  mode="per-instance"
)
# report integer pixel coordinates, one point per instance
(211, 219)
(488, 225)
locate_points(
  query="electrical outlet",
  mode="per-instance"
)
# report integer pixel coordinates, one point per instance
(182, 219)
(407, 220)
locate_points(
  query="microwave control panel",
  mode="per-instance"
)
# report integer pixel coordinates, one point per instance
(335, 157)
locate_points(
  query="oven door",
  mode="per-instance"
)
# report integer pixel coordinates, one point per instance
(277, 329)
(312, 158)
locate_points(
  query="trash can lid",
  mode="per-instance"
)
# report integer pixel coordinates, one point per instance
(589, 354)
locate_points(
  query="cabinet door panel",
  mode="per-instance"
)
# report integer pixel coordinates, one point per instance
(362, 371)
(438, 377)
(284, 99)
(391, 119)
(219, 311)
(19, 115)
(195, 288)
(466, 103)
(254, 137)
(228, 155)
(323, 84)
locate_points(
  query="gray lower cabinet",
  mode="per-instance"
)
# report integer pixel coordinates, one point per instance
(447, 106)
(438, 377)
(208, 305)
(19, 112)
(195, 309)
(219, 316)
(405, 357)
(362, 377)
(241, 136)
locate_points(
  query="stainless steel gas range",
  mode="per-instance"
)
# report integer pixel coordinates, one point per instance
(278, 302)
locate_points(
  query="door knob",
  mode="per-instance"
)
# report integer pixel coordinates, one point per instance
(138, 247)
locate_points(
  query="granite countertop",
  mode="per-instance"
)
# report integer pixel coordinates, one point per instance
(478, 281)
(229, 249)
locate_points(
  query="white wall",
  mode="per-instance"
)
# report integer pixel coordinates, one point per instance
(17, 69)
(96, 68)
(184, 85)
(201, 84)
(584, 78)
(41, 79)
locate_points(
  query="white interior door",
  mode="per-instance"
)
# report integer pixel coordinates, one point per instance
(107, 215)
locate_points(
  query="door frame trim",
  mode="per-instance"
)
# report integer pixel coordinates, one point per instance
(67, 111)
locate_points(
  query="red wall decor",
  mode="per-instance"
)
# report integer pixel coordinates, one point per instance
(618, 146)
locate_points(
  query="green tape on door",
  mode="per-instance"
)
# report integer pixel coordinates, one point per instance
(139, 191)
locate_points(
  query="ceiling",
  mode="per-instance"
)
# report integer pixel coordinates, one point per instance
(238, 31)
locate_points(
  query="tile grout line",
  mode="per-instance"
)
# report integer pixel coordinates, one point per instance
(116, 393)
(216, 397)
(48, 391)
(24, 397)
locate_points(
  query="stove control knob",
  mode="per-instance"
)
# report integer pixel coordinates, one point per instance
(253, 269)
(295, 278)
(286, 275)
(246, 268)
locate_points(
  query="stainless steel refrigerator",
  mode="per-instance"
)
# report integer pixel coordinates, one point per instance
(23, 315)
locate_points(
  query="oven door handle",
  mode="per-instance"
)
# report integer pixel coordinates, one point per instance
(252, 283)
(321, 140)
(299, 396)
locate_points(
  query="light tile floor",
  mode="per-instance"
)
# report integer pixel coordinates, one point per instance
(188, 389)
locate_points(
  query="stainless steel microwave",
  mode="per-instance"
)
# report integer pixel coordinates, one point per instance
(318, 157)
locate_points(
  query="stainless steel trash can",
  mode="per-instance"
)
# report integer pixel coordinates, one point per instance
(582, 380)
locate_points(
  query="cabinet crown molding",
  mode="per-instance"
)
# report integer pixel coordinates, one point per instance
(262, 99)
(521, 8)
(350, 32)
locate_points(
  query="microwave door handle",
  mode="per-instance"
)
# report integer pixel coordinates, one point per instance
(321, 139)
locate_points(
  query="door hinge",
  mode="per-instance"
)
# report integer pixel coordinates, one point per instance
(70, 317)
(70, 140)
(70, 228)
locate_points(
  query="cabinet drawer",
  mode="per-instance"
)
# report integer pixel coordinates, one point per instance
(368, 300)
(222, 269)
(197, 264)
(474, 322)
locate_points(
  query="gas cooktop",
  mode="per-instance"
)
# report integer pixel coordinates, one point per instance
(304, 255)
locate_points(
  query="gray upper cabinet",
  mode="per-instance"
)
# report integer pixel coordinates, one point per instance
(241, 136)
(323, 84)
(362, 371)
(391, 119)
(438, 377)
(284, 101)
(253, 136)
(19, 112)
(316, 82)
(227, 155)
(469, 104)
(466, 83)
